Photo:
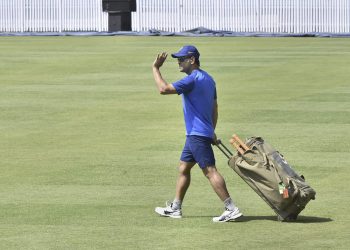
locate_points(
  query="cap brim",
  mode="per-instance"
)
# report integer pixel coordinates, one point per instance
(177, 55)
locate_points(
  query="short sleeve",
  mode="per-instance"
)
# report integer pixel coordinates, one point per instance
(184, 85)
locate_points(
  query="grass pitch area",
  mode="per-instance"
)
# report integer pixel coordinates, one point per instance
(89, 147)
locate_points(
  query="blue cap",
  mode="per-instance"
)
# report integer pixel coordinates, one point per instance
(187, 50)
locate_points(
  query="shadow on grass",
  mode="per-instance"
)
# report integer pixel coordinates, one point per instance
(300, 219)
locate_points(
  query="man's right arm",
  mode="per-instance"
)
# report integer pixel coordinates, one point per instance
(163, 87)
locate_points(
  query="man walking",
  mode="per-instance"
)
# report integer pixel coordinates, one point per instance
(200, 109)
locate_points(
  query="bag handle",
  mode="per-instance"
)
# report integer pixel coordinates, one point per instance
(223, 149)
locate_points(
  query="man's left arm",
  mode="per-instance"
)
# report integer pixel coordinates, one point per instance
(215, 119)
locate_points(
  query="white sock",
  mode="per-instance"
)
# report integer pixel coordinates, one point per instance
(229, 204)
(176, 204)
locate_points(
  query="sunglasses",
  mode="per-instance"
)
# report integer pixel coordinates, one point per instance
(182, 59)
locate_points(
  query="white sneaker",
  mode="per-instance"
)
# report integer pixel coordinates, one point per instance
(228, 215)
(168, 211)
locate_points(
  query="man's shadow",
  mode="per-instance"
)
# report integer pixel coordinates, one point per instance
(300, 219)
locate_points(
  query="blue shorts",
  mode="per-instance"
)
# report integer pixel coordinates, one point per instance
(198, 149)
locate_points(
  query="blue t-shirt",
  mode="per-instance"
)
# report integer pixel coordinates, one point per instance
(198, 92)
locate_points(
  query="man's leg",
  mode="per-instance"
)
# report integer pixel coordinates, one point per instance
(218, 183)
(183, 182)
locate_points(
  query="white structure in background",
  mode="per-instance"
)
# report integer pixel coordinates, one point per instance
(271, 16)
(52, 16)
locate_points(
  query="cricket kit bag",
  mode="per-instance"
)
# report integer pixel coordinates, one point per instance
(267, 172)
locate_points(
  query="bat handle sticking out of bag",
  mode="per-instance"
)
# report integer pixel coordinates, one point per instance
(238, 144)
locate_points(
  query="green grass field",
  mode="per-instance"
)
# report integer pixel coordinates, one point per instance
(89, 147)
